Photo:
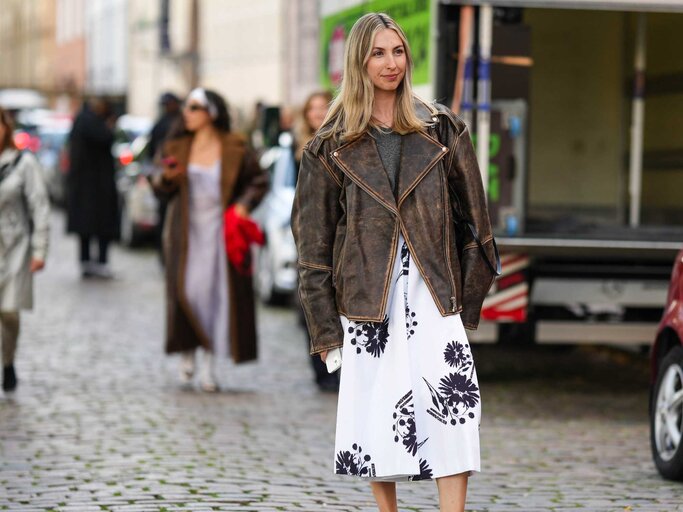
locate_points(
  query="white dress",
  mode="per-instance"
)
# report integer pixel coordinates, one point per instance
(409, 404)
(206, 272)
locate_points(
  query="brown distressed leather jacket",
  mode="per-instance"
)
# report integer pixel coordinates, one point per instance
(346, 222)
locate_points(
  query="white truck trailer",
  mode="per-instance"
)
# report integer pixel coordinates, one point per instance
(577, 105)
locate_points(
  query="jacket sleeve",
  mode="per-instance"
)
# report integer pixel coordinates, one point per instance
(315, 215)
(38, 205)
(469, 200)
(252, 183)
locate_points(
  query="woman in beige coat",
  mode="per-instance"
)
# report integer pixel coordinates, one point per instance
(24, 227)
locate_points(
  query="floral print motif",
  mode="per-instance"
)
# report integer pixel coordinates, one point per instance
(404, 424)
(411, 322)
(373, 336)
(457, 393)
(405, 261)
(354, 462)
(457, 357)
(425, 472)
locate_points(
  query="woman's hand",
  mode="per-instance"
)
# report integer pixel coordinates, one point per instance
(36, 265)
(323, 356)
(241, 211)
(171, 169)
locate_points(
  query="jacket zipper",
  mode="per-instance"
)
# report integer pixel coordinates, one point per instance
(385, 298)
(447, 238)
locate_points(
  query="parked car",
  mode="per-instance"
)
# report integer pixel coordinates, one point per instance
(276, 275)
(46, 133)
(139, 211)
(53, 155)
(54, 158)
(666, 403)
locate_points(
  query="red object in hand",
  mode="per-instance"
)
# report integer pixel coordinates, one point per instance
(240, 233)
(169, 161)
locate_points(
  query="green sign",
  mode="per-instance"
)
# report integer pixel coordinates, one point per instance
(412, 15)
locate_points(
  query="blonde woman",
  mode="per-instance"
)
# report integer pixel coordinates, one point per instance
(385, 274)
(313, 114)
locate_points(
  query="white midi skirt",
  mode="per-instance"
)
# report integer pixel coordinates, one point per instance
(409, 403)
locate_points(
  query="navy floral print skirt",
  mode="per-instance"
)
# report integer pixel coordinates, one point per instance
(409, 403)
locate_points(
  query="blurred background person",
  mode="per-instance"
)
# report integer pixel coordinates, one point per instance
(206, 169)
(24, 230)
(92, 199)
(312, 116)
(170, 116)
(254, 131)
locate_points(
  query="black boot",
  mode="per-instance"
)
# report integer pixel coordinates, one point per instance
(9, 378)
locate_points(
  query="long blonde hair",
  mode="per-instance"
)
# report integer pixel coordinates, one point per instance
(304, 132)
(351, 112)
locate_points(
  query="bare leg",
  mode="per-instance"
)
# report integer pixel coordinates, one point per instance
(385, 496)
(187, 366)
(452, 492)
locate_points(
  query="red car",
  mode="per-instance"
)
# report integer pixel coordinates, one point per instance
(666, 403)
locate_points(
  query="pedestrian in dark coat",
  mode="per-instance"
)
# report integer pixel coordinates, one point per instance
(311, 119)
(92, 197)
(171, 116)
(207, 168)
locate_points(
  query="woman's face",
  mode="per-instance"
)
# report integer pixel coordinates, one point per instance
(317, 110)
(387, 63)
(195, 115)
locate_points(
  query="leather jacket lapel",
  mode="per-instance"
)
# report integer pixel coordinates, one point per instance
(361, 162)
(420, 155)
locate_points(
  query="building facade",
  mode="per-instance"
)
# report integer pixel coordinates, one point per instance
(27, 45)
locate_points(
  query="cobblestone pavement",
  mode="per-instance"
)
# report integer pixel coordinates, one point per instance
(99, 422)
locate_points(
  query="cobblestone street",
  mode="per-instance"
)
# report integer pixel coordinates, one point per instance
(99, 422)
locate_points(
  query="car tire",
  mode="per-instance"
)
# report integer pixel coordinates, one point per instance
(265, 281)
(666, 416)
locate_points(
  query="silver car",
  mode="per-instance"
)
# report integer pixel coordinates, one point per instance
(139, 207)
(276, 274)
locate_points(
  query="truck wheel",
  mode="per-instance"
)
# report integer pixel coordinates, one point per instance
(666, 417)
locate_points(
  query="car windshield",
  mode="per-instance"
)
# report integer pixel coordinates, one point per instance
(53, 140)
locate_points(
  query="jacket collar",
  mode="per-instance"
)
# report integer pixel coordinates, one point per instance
(360, 161)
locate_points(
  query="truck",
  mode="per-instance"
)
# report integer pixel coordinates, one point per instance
(576, 106)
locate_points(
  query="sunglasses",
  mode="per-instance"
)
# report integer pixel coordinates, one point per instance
(195, 108)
